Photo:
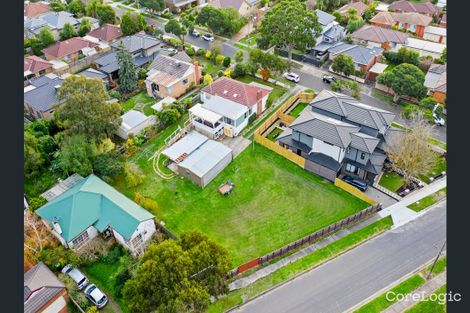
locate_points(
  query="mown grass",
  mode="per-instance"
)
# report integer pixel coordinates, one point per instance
(293, 269)
(440, 266)
(274, 134)
(429, 200)
(381, 303)
(439, 167)
(298, 108)
(142, 98)
(392, 181)
(429, 306)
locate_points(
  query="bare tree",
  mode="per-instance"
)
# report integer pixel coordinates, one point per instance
(410, 151)
(36, 236)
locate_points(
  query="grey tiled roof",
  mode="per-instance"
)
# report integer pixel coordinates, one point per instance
(59, 19)
(336, 32)
(92, 73)
(360, 54)
(352, 110)
(109, 64)
(169, 65)
(44, 95)
(324, 128)
(137, 42)
(324, 18)
(364, 142)
(325, 161)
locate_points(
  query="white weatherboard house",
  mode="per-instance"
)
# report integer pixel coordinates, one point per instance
(133, 122)
(227, 107)
(92, 207)
(198, 158)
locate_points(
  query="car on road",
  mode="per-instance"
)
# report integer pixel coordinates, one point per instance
(329, 79)
(438, 120)
(208, 37)
(356, 182)
(195, 33)
(293, 77)
(96, 296)
(76, 275)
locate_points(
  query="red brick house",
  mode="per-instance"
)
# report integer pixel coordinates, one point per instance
(426, 8)
(412, 22)
(107, 32)
(34, 66)
(34, 9)
(43, 291)
(69, 50)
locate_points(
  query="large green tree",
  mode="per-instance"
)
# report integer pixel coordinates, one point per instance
(92, 8)
(178, 276)
(225, 21)
(85, 109)
(33, 159)
(343, 64)
(77, 7)
(329, 5)
(106, 14)
(46, 37)
(405, 80)
(289, 25)
(154, 6)
(127, 71)
(128, 24)
(76, 155)
(267, 61)
(68, 32)
(174, 27)
(85, 27)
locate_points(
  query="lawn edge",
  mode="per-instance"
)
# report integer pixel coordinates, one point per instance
(306, 271)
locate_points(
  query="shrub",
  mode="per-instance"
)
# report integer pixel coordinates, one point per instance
(121, 278)
(409, 111)
(201, 52)
(113, 255)
(166, 15)
(207, 79)
(190, 52)
(336, 86)
(309, 91)
(228, 73)
(36, 202)
(130, 146)
(219, 59)
(208, 55)
(239, 70)
(132, 175)
(252, 117)
(428, 116)
(147, 203)
(115, 94)
(439, 110)
(142, 73)
(428, 103)
(220, 74)
(58, 257)
(226, 62)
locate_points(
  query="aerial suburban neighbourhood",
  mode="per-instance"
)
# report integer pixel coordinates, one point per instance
(235, 155)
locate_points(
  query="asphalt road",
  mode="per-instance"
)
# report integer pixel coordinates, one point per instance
(342, 283)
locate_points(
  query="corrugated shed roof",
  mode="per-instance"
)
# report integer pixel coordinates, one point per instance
(185, 145)
(205, 157)
(93, 201)
(424, 45)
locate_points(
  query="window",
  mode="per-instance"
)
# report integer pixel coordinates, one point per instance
(229, 121)
(137, 241)
(185, 81)
(351, 168)
(80, 240)
(155, 87)
(363, 155)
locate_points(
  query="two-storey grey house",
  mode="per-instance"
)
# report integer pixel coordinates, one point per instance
(336, 135)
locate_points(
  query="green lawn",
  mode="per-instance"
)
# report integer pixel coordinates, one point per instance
(142, 98)
(240, 46)
(429, 200)
(438, 143)
(273, 135)
(440, 266)
(437, 306)
(249, 40)
(440, 166)
(381, 303)
(209, 67)
(275, 94)
(301, 265)
(298, 108)
(265, 211)
(392, 181)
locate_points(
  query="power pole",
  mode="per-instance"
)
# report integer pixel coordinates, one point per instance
(435, 260)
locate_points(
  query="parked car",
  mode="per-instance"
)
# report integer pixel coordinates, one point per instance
(195, 33)
(320, 55)
(329, 79)
(171, 50)
(76, 275)
(438, 120)
(208, 37)
(293, 77)
(95, 295)
(356, 182)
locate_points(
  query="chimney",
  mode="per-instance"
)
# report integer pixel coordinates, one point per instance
(259, 102)
(197, 74)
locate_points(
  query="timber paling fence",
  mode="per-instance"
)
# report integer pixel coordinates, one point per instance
(307, 239)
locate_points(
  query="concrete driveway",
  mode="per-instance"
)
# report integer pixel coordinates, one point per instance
(380, 197)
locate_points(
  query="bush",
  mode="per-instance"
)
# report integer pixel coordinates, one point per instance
(113, 255)
(58, 257)
(166, 15)
(121, 278)
(336, 86)
(428, 103)
(439, 110)
(228, 73)
(142, 73)
(147, 203)
(219, 59)
(133, 175)
(252, 117)
(208, 55)
(428, 116)
(226, 62)
(409, 111)
(200, 52)
(190, 52)
(220, 74)
(36, 202)
(239, 70)
(115, 94)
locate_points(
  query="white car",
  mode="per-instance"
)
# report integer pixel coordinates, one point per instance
(208, 37)
(76, 275)
(95, 295)
(437, 120)
(172, 50)
(195, 33)
(293, 77)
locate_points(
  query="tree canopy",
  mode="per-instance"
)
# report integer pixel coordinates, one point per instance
(176, 28)
(33, 159)
(405, 80)
(343, 64)
(76, 7)
(226, 21)
(127, 71)
(267, 61)
(288, 24)
(178, 276)
(76, 155)
(132, 23)
(153, 6)
(46, 37)
(106, 14)
(85, 109)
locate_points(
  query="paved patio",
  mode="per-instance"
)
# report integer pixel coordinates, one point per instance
(237, 144)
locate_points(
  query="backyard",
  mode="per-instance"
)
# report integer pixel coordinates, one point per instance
(298, 108)
(274, 202)
(145, 102)
(274, 134)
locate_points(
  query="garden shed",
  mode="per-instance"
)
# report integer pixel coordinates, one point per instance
(133, 122)
(199, 158)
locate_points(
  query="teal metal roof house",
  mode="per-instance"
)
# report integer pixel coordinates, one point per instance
(90, 207)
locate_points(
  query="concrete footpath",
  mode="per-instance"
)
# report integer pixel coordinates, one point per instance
(399, 211)
(425, 290)
(265, 271)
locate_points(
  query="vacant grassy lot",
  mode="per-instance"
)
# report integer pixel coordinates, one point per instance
(142, 98)
(293, 269)
(431, 306)
(392, 181)
(381, 303)
(274, 202)
(429, 200)
(298, 108)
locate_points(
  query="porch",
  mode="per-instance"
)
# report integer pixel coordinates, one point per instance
(207, 122)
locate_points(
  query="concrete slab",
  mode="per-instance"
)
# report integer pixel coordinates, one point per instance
(237, 144)
(380, 197)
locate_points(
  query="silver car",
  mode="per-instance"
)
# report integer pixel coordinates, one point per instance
(76, 275)
(95, 295)
(293, 77)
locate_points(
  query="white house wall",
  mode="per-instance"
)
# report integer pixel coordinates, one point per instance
(146, 228)
(335, 152)
(92, 233)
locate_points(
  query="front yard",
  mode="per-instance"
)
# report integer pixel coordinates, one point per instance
(274, 202)
(392, 181)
